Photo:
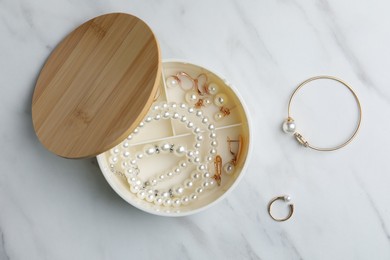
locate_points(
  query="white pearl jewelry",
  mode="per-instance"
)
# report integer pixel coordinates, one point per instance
(191, 97)
(172, 82)
(289, 126)
(175, 196)
(220, 99)
(212, 89)
(228, 168)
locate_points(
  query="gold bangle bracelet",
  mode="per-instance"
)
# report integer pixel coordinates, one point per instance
(290, 127)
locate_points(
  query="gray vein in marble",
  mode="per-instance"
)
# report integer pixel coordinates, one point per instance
(196, 231)
(374, 208)
(252, 28)
(3, 252)
(307, 20)
(290, 243)
(342, 43)
(249, 249)
(184, 252)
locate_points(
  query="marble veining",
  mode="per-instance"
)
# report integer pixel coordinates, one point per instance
(53, 208)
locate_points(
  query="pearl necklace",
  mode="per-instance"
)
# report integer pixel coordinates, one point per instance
(173, 197)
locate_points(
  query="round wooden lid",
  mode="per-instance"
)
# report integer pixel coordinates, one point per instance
(96, 86)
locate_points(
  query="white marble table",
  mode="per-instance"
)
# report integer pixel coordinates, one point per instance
(53, 208)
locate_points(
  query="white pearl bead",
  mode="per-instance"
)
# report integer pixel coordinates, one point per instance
(206, 175)
(228, 168)
(211, 127)
(205, 120)
(191, 97)
(220, 100)
(193, 197)
(212, 183)
(190, 125)
(207, 101)
(177, 170)
(199, 138)
(153, 182)
(165, 147)
(289, 126)
(185, 200)
(196, 130)
(205, 184)
(213, 151)
(183, 164)
(134, 189)
(176, 202)
(218, 116)
(191, 110)
(209, 158)
(115, 151)
(142, 124)
(165, 194)
(162, 177)
(166, 115)
(175, 115)
(126, 154)
(202, 167)
(188, 183)
(180, 150)
(213, 135)
(139, 155)
(199, 113)
(199, 190)
(158, 200)
(157, 117)
(169, 174)
(197, 145)
(148, 119)
(195, 175)
(212, 89)
(183, 119)
(287, 198)
(150, 197)
(190, 154)
(114, 159)
(149, 150)
(125, 145)
(133, 162)
(196, 160)
(172, 82)
(167, 202)
(177, 190)
(214, 143)
(173, 105)
(141, 194)
(182, 106)
(155, 108)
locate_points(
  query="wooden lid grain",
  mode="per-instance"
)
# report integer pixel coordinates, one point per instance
(96, 86)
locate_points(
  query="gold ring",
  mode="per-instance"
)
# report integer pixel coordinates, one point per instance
(291, 206)
(289, 124)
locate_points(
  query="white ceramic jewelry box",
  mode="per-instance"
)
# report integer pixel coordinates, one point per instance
(162, 147)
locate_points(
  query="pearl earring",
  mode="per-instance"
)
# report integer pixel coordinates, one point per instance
(220, 100)
(289, 125)
(223, 111)
(229, 167)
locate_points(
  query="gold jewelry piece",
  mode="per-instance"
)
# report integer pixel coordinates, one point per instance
(229, 167)
(291, 206)
(218, 169)
(289, 125)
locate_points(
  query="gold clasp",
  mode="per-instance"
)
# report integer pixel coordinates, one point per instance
(301, 139)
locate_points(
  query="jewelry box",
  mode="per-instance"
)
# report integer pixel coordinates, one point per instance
(171, 138)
